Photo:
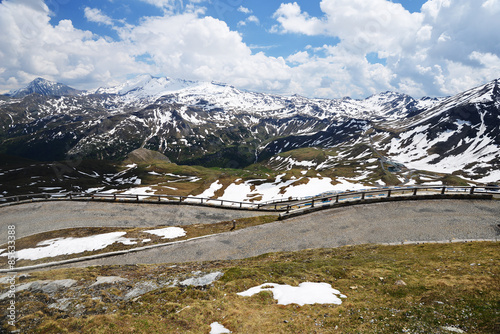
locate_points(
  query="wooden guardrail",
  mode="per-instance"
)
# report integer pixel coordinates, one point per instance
(402, 193)
(138, 198)
(289, 207)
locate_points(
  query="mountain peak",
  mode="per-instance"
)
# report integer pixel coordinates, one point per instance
(44, 87)
(147, 85)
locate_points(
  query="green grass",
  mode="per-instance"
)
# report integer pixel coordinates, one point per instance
(308, 153)
(446, 285)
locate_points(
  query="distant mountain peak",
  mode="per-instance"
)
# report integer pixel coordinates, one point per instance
(44, 87)
(146, 85)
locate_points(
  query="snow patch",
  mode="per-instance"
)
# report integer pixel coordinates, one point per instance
(305, 293)
(217, 328)
(210, 192)
(66, 246)
(168, 232)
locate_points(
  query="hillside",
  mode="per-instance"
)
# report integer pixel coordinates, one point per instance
(246, 138)
(438, 288)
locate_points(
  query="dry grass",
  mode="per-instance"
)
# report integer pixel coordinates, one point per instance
(446, 285)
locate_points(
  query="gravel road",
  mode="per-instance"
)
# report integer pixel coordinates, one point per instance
(37, 217)
(428, 220)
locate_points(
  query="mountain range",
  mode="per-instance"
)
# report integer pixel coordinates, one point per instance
(215, 124)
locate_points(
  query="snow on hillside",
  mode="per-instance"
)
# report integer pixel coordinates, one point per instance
(479, 95)
(66, 246)
(306, 293)
(147, 86)
(212, 95)
(262, 192)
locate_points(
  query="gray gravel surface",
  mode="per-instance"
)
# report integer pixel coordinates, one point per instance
(37, 217)
(429, 220)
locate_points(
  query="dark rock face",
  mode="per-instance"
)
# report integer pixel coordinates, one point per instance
(44, 87)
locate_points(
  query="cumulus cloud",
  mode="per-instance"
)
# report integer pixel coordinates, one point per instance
(244, 10)
(445, 48)
(437, 51)
(30, 46)
(172, 6)
(250, 19)
(293, 20)
(184, 45)
(95, 15)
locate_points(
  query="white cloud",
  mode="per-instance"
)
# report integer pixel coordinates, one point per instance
(30, 46)
(432, 8)
(292, 19)
(203, 48)
(250, 19)
(171, 6)
(184, 45)
(244, 10)
(254, 19)
(95, 15)
(448, 47)
(434, 52)
(300, 57)
(492, 5)
(164, 3)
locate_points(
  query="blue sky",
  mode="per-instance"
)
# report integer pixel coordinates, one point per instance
(232, 12)
(316, 48)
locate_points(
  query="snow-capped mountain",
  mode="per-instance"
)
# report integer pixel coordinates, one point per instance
(212, 95)
(461, 134)
(44, 87)
(215, 124)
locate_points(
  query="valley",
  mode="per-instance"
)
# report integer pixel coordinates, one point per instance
(212, 135)
(100, 260)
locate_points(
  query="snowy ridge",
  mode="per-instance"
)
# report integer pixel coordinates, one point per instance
(462, 133)
(212, 95)
(212, 124)
(45, 88)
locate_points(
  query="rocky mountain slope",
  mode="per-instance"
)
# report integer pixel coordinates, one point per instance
(460, 135)
(214, 124)
(44, 87)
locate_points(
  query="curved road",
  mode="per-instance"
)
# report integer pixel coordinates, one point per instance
(392, 222)
(38, 217)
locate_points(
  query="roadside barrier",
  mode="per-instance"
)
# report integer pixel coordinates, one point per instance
(288, 207)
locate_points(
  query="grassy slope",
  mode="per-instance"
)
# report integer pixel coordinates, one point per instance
(352, 163)
(446, 285)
